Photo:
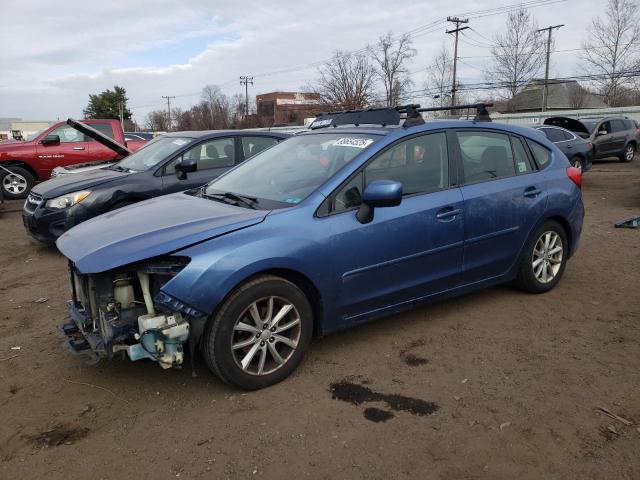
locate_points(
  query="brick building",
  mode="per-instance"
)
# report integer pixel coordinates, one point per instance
(286, 108)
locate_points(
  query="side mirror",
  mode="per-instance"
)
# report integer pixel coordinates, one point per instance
(50, 140)
(379, 193)
(185, 166)
(601, 133)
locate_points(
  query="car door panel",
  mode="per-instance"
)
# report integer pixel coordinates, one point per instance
(405, 253)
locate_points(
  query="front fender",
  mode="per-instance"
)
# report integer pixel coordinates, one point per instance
(217, 266)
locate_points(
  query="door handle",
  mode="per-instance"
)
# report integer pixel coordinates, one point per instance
(448, 214)
(532, 192)
(78, 148)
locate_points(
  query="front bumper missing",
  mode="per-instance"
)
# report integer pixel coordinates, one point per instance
(77, 340)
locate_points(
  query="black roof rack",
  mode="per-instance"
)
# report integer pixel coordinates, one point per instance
(392, 115)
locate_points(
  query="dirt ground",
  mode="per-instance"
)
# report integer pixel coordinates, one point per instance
(497, 384)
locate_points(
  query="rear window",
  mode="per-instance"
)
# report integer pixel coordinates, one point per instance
(485, 155)
(541, 154)
(618, 126)
(103, 128)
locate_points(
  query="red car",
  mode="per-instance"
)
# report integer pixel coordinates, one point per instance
(31, 161)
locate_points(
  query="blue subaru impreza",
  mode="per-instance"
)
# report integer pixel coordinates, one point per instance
(368, 213)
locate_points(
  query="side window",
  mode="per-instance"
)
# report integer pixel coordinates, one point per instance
(605, 128)
(540, 153)
(420, 164)
(485, 155)
(523, 165)
(68, 134)
(554, 134)
(253, 145)
(212, 154)
(104, 128)
(567, 135)
(350, 195)
(617, 126)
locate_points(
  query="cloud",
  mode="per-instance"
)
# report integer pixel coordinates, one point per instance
(54, 56)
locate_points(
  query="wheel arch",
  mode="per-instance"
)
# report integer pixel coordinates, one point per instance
(21, 164)
(564, 223)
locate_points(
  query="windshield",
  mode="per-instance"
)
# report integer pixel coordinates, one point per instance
(590, 124)
(33, 136)
(153, 153)
(290, 171)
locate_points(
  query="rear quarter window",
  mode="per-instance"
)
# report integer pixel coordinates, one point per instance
(542, 155)
(103, 128)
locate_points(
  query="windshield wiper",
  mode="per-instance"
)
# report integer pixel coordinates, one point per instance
(244, 199)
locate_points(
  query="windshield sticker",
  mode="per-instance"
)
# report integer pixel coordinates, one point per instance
(322, 123)
(354, 142)
(291, 199)
(179, 142)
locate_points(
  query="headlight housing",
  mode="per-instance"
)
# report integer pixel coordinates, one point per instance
(68, 200)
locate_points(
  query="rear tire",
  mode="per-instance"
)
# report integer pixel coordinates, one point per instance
(249, 342)
(543, 258)
(628, 153)
(577, 162)
(17, 184)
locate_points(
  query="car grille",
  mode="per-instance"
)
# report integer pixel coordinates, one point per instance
(33, 201)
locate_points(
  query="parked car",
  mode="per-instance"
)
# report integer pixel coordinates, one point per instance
(171, 163)
(578, 150)
(611, 136)
(61, 144)
(329, 229)
(138, 136)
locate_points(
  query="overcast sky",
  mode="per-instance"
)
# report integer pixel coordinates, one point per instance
(55, 53)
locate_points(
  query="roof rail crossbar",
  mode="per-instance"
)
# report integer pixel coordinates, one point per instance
(369, 116)
(482, 114)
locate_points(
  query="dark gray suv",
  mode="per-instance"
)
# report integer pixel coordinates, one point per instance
(611, 136)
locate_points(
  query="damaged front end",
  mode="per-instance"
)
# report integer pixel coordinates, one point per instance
(124, 310)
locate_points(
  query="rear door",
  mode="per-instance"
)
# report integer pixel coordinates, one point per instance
(619, 135)
(502, 197)
(97, 151)
(213, 158)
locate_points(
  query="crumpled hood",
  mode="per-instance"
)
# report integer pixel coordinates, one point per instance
(64, 184)
(151, 228)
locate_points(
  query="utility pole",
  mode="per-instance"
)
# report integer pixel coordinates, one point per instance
(168, 110)
(545, 92)
(122, 115)
(456, 30)
(244, 80)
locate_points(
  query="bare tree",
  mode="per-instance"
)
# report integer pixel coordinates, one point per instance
(518, 54)
(577, 95)
(346, 81)
(390, 57)
(439, 78)
(611, 48)
(157, 121)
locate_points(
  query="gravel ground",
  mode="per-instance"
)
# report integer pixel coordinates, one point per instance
(497, 384)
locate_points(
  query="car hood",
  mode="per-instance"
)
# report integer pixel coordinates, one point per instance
(64, 184)
(155, 227)
(572, 124)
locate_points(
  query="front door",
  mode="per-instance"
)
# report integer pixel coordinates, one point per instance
(73, 148)
(407, 252)
(213, 158)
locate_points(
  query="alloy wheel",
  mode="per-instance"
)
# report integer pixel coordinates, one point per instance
(265, 335)
(628, 153)
(547, 256)
(14, 183)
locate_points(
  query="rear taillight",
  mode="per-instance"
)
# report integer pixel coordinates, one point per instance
(575, 175)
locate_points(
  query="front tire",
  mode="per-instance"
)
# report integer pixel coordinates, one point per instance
(628, 153)
(543, 258)
(17, 184)
(259, 334)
